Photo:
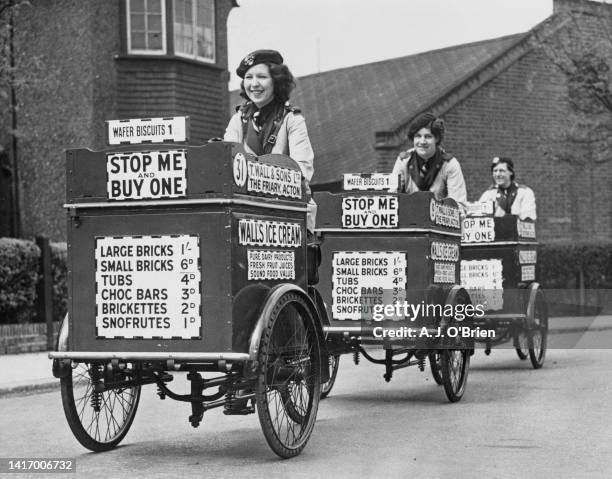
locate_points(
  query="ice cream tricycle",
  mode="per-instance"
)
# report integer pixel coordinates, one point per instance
(498, 268)
(187, 259)
(389, 280)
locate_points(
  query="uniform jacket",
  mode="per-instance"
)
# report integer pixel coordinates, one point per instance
(292, 140)
(524, 205)
(449, 182)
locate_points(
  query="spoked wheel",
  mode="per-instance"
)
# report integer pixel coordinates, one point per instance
(291, 395)
(521, 345)
(538, 332)
(334, 364)
(289, 376)
(455, 365)
(99, 420)
(455, 357)
(436, 366)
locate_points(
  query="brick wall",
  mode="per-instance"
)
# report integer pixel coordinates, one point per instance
(83, 80)
(174, 86)
(69, 60)
(516, 115)
(25, 338)
(520, 113)
(386, 158)
(150, 88)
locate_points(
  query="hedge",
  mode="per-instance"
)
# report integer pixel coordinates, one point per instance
(18, 277)
(566, 268)
(19, 274)
(560, 267)
(59, 256)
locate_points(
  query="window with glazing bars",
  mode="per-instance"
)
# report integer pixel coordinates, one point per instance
(146, 26)
(194, 29)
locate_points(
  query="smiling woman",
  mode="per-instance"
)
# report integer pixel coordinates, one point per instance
(426, 166)
(258, 85)
(508, 196)
(266, 122)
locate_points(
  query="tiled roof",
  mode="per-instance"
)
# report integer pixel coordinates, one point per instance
(345, 107)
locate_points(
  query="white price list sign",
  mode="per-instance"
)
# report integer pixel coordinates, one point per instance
(483, 280)
(148, 287)
(528, 256)
(444, 272)
(264, 264)
(363, 279)
(528, 273)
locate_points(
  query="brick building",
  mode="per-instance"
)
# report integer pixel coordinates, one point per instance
(500, 97)
(88, 61)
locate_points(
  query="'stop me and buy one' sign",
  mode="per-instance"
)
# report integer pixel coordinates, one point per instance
(146, 175)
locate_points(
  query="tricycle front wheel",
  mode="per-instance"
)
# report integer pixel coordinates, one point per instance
(454, 362)
(289, 376)
(99, 420)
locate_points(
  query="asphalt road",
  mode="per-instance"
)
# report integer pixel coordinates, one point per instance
(512, 422)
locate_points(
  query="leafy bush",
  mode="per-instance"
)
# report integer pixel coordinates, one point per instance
(59, 256)
(18, 277)
(566, 268)
(19, 274)
(561, 264)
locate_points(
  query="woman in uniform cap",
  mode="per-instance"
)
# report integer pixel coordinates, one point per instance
(266, 122)
(426, 166)
(509, 197)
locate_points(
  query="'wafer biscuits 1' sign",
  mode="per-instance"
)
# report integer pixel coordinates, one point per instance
(147, 130)
(370, 181)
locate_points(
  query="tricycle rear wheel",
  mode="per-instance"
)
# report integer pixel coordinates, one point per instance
(455, 365)
(521, 345)
(289, 376)
(538, 332)
(99, 420)
(436, 366)
(334, 364)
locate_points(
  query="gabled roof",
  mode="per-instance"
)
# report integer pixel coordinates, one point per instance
(345, 107)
